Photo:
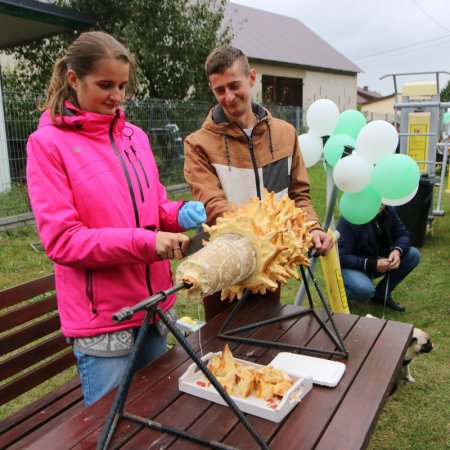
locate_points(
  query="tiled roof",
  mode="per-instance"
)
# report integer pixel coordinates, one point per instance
(365, 96)
(376, 99)
(272, 37)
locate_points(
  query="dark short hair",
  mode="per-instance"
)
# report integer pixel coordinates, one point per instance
(222, 58)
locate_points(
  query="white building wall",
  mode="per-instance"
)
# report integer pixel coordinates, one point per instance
(340, 88)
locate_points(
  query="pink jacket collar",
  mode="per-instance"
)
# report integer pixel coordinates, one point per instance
(86, 120)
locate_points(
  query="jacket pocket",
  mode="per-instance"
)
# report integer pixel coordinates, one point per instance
(90, 291)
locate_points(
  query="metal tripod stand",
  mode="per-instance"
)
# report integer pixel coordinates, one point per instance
(117, 412)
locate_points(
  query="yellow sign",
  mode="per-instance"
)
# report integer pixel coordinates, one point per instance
(331, 269)
(417, 147)
(342, 293)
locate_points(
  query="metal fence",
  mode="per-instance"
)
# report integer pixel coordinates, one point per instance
(167, 123)
(370, 116)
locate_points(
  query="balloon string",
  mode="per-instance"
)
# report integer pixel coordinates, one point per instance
(386, 292)
(199, 332)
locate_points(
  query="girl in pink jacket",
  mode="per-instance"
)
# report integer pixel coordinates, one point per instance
(101, 211)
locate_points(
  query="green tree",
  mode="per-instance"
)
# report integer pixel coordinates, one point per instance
(169, 39)
(445, 93)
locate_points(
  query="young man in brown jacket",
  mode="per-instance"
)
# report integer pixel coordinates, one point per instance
(241, 149)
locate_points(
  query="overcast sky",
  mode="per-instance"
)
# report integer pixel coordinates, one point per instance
(380, 36)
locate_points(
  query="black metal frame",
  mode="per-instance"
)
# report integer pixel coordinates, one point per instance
(227, 334)
(151, 306)
(117, 412)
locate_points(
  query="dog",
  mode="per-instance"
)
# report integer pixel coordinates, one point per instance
(420, 343)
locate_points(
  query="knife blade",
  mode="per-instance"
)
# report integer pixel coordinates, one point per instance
(196, 243)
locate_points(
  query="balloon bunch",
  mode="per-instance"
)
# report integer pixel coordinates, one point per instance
(362, 155)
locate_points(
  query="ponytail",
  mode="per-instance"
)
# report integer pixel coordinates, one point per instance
(59, 90)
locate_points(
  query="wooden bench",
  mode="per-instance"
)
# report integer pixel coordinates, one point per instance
(32, 351)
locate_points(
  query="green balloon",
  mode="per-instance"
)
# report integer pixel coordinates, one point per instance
(396, 176)
(360, 207)
(334, 147)
(446, 118)
(350, 122)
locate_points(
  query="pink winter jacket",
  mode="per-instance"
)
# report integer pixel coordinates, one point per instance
(95, 192)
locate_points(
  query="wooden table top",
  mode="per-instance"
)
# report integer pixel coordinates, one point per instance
(342, 417)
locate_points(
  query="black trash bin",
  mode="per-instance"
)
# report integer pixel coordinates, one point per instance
(414, 214)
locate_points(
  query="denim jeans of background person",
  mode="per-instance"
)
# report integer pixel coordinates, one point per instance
(360, 287)
(379, 250)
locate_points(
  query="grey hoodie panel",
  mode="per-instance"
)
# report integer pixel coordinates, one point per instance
(276, 176)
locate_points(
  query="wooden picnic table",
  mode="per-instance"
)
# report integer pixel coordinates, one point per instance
(341, 417)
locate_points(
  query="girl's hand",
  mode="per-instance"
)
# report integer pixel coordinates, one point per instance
(171, 245)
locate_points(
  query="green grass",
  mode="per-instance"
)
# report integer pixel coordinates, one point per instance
(14, 201)
(417, 416)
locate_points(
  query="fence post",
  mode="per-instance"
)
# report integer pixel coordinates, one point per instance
(298, 119)
(5, 174)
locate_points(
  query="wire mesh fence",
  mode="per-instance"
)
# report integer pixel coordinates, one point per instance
(166, 123)
(370, 116)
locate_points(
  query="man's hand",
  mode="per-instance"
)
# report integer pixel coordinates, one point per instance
(383, 265)
(322, 242)
(392, 262)
(394, 259)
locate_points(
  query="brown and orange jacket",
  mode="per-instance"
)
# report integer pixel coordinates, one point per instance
(224, 165)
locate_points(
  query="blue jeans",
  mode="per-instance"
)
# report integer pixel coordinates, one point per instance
(359, 286)
(99, 375)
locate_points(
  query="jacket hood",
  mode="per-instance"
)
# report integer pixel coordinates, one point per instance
(218, 114)
(218, 122)
(84, 120)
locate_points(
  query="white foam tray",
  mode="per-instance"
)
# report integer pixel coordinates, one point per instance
(194, 382)
(323, 371)
(187, 327)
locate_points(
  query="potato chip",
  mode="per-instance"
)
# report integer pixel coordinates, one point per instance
(242, 380)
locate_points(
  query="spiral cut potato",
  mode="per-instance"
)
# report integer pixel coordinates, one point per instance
(254, 247)
(242, 380)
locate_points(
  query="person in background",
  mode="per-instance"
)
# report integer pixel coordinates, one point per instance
(397, 127)
(102, 213)
(380, 249)
(241, 149)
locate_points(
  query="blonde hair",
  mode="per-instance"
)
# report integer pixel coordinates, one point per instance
(82, 57)
(222, 58)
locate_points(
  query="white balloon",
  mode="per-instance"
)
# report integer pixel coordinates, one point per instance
(311, 147)
(400, 201)
(352, 173)
(376, 140)
(322, 117)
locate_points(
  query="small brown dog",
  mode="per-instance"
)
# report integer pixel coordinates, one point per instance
(420, 343)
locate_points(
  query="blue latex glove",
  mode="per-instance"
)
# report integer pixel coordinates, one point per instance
(191, 215)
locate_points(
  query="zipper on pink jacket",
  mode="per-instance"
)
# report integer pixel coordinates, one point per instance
(133, 197)
(136, 175)
(90, 290)
(140, 165)
(127, 174)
